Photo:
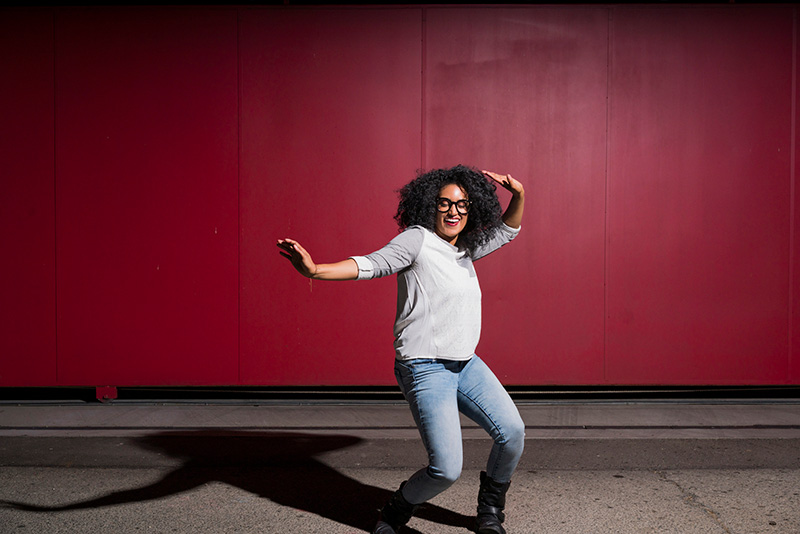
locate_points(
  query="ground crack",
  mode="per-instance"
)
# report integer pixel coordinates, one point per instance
(692, 500)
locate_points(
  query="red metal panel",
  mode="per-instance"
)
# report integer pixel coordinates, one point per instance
(686, 280)
(27, 227)
(146, 131)
(524, 91)
(794, 361)
(699, 195)
(330, 129)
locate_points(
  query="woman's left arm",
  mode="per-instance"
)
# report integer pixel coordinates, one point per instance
(513, 214)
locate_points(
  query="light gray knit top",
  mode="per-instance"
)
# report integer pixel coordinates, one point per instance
(438, 295)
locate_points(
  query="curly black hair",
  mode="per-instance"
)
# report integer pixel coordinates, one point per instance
(418, 203)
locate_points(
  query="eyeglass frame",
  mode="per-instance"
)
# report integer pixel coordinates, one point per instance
(450, 204)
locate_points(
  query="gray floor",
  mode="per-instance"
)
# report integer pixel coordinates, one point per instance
(592, 467)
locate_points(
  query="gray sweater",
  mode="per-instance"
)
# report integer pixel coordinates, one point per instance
(438, 295)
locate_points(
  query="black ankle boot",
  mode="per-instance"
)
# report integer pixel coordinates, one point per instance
(395, 514)
(491, 502)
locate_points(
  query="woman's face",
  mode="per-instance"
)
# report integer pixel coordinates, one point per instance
(450, 223)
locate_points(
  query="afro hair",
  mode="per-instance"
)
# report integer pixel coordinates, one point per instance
(418, 203)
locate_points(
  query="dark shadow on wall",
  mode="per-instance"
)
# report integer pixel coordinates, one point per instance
(281, 467)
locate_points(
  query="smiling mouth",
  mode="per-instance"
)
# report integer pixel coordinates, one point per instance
(452, 221)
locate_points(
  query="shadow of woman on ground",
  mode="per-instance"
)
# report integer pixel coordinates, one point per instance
(278, 466)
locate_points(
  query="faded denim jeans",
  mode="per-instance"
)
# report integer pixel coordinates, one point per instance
(437, 390)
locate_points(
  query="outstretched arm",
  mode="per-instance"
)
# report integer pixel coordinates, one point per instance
(301, 259)
(513, 214)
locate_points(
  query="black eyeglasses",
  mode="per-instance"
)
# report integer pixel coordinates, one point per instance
(444, 204)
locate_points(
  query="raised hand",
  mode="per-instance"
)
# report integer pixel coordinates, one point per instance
(506, 181)
(513, 214)
(300, 258)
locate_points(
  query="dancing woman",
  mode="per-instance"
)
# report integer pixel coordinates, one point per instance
(449, 218)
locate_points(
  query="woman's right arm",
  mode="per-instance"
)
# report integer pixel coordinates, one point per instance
(301, 259)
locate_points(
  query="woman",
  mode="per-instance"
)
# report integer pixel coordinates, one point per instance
(448, 218)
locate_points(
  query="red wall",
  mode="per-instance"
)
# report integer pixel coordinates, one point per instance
(27, 201)
(151, 156)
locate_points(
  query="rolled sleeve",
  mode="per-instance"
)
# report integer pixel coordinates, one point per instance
(366, 270)
(398, 254)
(503, 235)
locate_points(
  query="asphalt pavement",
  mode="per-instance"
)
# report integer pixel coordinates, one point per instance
(705, 467)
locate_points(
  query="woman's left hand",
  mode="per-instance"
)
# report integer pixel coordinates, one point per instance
(513, 214)
(507, 181)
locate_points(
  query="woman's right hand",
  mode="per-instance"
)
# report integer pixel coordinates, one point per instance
(300, 258)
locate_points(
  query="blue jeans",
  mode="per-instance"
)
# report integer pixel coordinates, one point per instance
(436, 391)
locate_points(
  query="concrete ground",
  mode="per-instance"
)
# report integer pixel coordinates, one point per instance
(701, 467)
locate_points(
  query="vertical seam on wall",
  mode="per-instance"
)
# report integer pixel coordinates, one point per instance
(605, 210)
(238, 197)
(55, 207)
(423, 68)
(792, 177)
